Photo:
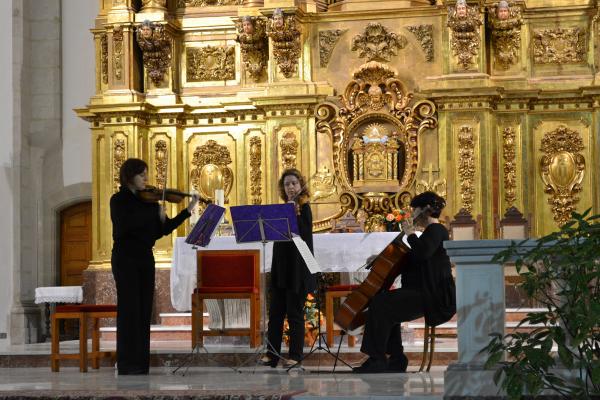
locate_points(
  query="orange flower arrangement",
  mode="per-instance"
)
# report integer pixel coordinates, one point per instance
(394, 218)
(311, 313)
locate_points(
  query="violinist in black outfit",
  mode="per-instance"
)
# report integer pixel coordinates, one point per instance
(136, 226)
(427, 290)
(291, 280)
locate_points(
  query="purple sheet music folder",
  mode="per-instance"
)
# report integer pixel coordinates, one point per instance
(278, 221)
(206, 226)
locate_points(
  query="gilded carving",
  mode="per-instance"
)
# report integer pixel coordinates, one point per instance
(255, 171)
(562, 170)
(104, 57)
(118, 52)
(161, 163)
(254, 45)
(510, 166)
(464, 22)
(376, 43)
(466, 166)
(327, 41)
(323, 186)
(424, 34)
(156, 49)
(154, 4)
(119, 156)
(559, 46)
(372, 131)
(210, 170)
(210, 63)
(206, 3)
(285, 35)
(506, 20)
(289, 149)
(431, 185)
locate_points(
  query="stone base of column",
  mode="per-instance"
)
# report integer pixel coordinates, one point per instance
(26, 324)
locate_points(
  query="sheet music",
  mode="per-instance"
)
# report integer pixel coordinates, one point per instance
(307, 256)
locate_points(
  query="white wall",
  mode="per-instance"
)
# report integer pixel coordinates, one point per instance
(78, 74)
(7, 243)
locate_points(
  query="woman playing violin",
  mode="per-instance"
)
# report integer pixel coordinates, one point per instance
(427, 290)
(137, 224)
(291, 280)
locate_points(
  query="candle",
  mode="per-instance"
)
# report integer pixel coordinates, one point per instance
(220, 197)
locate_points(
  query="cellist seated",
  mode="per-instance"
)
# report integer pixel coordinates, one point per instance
(427, 290)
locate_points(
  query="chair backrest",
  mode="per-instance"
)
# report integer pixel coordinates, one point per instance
(228, 268)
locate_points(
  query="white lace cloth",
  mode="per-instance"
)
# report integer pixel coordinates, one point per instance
(59, 294)
(335, 252)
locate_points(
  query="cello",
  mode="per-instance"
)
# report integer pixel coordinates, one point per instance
(384, 269)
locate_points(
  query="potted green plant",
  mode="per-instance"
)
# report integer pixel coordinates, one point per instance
(562, 273)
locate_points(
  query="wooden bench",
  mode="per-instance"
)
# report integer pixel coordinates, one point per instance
(85, 313)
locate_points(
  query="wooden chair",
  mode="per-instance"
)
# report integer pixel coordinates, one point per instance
(85, 313)
(429, 337)
(227, 274)
(335, 292)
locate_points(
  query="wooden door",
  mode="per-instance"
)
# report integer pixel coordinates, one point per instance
(75, 243)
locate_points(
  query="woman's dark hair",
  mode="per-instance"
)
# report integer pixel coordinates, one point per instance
(130, 168)
(297, 174)
(436, 203)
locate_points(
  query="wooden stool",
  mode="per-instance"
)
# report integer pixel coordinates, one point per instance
(333, 292)
(429, 337)
(84, 313)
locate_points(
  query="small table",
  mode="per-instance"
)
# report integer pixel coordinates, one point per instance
(57, 294)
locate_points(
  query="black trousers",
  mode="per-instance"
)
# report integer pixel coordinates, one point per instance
(134, 278)
(382, 328)
(285, 302)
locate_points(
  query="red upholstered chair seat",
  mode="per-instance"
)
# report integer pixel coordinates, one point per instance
(227, 274)
(338, 288)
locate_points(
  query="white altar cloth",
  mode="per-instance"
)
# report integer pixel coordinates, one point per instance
(335, 252)
(59, 294)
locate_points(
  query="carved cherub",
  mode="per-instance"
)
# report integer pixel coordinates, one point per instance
(253, 45)
(285, 35)
(156, 49)
(464, 21)
(505, 20)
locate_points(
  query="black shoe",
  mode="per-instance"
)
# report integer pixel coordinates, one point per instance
(372, 366)
(398, 363)
(133, 372)
(268, 361)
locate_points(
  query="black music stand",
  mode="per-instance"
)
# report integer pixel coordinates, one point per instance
(320, 340)
(201, 235)
(264, 223)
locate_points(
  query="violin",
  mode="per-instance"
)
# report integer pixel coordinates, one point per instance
(152, 194)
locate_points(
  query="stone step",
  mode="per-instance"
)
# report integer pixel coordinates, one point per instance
(157, 332)
(180, 318)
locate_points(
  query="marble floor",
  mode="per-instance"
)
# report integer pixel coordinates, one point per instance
(315, 381)
(306, 384)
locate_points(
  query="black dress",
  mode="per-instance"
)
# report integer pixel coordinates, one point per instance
(136, 226)
(427, 290)
(291, 281)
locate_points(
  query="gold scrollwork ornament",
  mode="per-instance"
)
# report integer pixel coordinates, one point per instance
(376, 43)
(466, 166)
(211, 169)
(562, 171)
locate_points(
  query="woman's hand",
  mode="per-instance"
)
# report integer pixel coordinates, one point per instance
(193, 202)
(407, 226)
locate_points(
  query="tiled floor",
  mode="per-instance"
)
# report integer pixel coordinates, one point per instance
(314, 382)
(307, 384)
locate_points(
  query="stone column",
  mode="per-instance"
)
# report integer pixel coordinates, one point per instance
(480, 309)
